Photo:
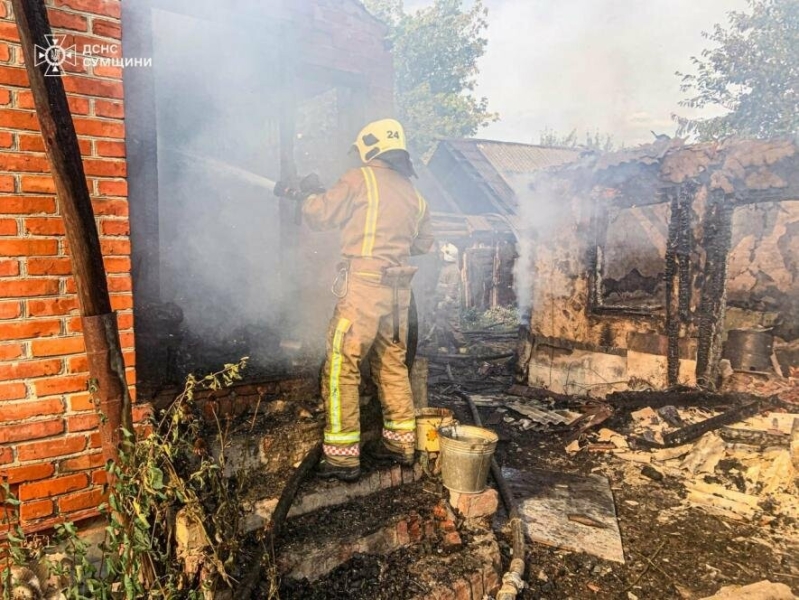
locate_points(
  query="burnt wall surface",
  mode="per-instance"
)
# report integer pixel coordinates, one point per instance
(654, 254)
(241, 94)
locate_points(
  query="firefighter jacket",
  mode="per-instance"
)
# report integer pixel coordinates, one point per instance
(383, 219)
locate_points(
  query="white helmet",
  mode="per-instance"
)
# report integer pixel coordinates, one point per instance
(449, 252)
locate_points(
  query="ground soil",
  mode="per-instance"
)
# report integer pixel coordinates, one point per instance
(686, 554)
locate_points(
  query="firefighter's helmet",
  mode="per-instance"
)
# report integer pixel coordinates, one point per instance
(449, 252)
(378, 138)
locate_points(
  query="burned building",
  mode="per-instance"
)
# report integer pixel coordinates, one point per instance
(649, 266)
(472, 184)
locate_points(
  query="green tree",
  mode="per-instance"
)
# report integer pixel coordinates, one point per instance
(602, 142)
(436, 50)
(752, 72)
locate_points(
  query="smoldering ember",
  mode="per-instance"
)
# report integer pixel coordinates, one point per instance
(385, 299)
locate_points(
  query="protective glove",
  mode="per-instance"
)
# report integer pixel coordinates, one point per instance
(285, 189)
(310, 185)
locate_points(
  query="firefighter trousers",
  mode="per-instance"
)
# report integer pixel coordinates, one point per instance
(362, 322)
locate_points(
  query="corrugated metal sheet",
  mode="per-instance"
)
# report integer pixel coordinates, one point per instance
(494, 165)
(515, 159)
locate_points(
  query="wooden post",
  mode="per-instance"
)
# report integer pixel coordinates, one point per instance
(106, 366)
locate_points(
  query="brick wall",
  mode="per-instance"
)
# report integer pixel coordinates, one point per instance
(49, 443)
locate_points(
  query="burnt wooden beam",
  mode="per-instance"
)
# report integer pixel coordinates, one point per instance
(106, 365)
(717, 241)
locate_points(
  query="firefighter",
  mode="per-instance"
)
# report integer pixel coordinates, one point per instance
(448, 301)
(383, 221)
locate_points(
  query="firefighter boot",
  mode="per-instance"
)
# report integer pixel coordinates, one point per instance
(327, 470)
(382, 453)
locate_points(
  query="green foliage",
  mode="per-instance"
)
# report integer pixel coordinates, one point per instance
(498, 318)
(436, 50)
(162, 473)
(752, 73)
(596, 141)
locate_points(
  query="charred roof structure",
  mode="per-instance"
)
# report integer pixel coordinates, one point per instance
(653, 256)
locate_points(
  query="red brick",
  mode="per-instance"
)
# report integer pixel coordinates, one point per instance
(21, 411)
(30, 369)
(15, 475)
(108, 72)
(10, 434)
(9, 268)
(120, 283)
(5, 95)
(95, 87)
(104, 8)
(28, 205)
(6, 139)
(31, 511)
(11, 352)
(462, 590)
(7, 183)
(476, 506)
(58, 346)
(53, 487)
(77, 104)
(100, 477)
(113, 188)
(49, 266)
(105, 168)
(32, 184)
(81, 402)
(108, 108)
(83, 462)
(52, 306)
(23, 163)
(10, 310)
(111, 29)
(65, 20)
(110, 246)
(8, 31)
(81, 501)
(125, 321)
(44, 226)
(142, 412)
(99, 128)
(6, 456)
(110, 149)
(121, 301)
(110, 208)
(22, 288)
(23, 330)
(31, 143)
(115, 265)
(8, 227)
(5, 49)
(28, 247)
(78, 364)
(51, 448)
(87, 422)
(95, 441)
(12, 391)
(61, 385)
(13, 76)
(18, 119)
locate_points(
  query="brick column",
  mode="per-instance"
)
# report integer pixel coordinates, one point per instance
(49, 443)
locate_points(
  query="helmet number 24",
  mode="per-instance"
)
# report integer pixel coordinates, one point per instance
(393, 135)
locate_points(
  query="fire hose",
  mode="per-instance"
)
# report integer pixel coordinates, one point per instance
(513, 579)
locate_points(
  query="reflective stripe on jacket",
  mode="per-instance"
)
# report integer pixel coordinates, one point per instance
(379, 212)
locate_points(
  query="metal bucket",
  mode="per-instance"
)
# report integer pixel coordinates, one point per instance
(428, 420)
(466, 454)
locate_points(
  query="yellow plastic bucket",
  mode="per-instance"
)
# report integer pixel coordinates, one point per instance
(428, 420)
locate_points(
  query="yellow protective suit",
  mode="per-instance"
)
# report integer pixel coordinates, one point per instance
(383, 221)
